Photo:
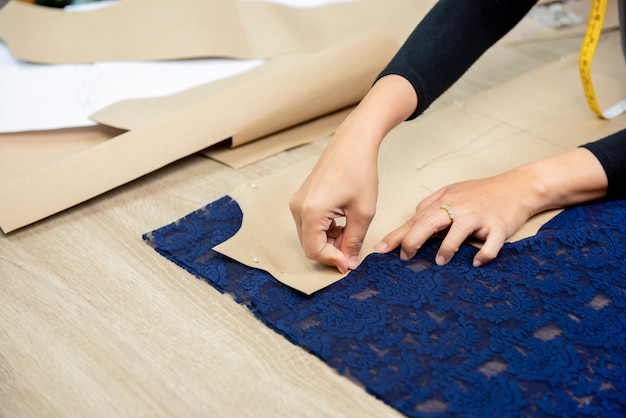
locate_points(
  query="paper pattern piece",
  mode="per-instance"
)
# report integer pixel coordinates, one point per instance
(534, 116)
(135, 113)
(45, 147)
(254, 151)
(295, 94)
(135, 30)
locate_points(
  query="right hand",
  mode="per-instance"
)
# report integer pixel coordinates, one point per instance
(343, 184)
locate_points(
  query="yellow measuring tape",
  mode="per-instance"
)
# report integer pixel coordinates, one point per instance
(592, 35)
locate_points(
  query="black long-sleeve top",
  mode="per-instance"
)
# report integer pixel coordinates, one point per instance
(452, 36)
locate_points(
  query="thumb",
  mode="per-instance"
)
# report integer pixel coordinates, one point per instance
(332, 256)
(352, 240)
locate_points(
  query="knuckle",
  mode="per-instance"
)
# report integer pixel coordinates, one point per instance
(313, 254)
(294, 203)
(310, 254)
(410, 243)
(308, 209)
(353, 243)
(488, 254)
(421, 206)
(464, 224)
(433, 221)
(365, 212)
(448, 249)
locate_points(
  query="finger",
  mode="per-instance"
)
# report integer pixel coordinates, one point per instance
(319, 246)
(435, 220)
(393, 239)
(295, 213)
(317, 234)
(490, 249)
(458, 233)
(325, 252)
(429, 201)
(353, 236)
(332, 256)
(298, 221)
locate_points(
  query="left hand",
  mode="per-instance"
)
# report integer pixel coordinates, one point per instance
(490, 209)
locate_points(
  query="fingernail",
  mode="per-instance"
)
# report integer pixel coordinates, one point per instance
(477, 263)
(403, 255)
(380, 247)
(440, 261)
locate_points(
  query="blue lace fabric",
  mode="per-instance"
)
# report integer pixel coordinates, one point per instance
(540, 331)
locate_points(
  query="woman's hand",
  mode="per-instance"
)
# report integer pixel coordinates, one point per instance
(490, 210)
(494, 208)
(344, 182)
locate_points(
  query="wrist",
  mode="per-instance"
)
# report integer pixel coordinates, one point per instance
(562, 180)
(388, 103)
(535, 191)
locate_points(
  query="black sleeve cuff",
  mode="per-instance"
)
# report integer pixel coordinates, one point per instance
(611, 152)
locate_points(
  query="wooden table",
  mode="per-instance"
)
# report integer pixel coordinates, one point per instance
(95, 323)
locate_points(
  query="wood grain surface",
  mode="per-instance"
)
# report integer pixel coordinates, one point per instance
(94, 323)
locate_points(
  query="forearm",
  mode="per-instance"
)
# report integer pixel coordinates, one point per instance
(344, 182)
(388, 103)
(562, 180)
(440, 49)
(450, 38)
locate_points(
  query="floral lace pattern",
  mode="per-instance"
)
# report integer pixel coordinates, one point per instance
(540, 331)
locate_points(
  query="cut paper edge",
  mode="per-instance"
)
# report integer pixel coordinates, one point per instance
(536, 115)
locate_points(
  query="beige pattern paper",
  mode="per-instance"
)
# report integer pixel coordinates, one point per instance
(24, 152)
(137, 30)
(254, 151)
(138, 112)
(135, 113)
(293, 94)
(534, 116)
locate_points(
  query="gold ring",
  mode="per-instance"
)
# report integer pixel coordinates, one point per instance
(449, 210)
